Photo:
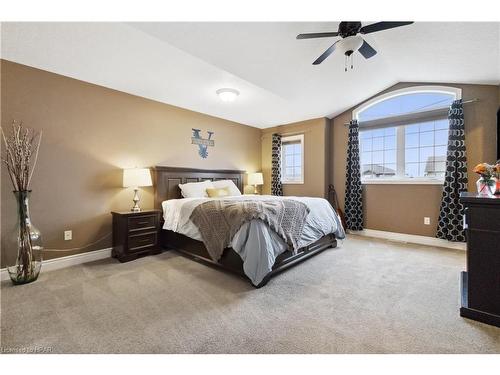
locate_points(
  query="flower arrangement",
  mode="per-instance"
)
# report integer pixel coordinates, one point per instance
(490, 175)
(485, 170)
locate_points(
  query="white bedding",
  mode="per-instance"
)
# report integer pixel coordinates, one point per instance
(256, 243)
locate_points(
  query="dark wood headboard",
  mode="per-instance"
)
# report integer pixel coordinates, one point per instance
(167, 180)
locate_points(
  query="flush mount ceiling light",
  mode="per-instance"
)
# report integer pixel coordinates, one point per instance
(227, 94)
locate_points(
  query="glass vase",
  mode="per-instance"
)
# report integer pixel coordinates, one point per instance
(29, 244)
(486, 187)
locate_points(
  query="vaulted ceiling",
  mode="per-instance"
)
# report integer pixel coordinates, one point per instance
(183, 63)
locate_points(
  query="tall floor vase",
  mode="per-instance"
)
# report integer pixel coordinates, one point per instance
(29, 244)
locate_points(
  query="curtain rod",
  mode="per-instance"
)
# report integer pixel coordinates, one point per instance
(298, 132)
(470, 101)
(294, 133)
(463, 102)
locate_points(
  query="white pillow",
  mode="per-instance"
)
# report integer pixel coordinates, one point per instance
(195, 189)
(233, 189)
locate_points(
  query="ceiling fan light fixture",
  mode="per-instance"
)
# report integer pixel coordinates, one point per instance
(351, 41)
(227, 94)
(350, 44)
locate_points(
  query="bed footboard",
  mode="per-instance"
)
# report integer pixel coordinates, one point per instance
(231, 261)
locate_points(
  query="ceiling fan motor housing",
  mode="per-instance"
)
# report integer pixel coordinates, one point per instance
(349, 28)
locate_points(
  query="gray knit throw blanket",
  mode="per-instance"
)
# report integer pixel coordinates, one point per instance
(219, 220)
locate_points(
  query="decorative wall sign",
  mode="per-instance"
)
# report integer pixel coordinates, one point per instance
(202, 143)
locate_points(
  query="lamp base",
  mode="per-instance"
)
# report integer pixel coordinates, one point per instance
(255, 191)
(136, 200)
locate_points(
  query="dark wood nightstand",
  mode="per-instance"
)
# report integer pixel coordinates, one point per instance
(135, 234)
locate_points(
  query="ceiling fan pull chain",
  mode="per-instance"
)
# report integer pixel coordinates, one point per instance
(352, 61)
(345, 63)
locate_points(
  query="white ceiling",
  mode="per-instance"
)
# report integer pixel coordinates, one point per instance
(183, 64)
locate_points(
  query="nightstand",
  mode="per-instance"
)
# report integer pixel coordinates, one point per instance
(135, 234)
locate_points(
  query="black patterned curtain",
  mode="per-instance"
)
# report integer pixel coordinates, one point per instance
(353, 189)
(276, 187)
(450, 225)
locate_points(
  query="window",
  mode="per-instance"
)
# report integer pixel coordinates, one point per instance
(425, 149)
(378, 153)
(403, 135)
(292, 159)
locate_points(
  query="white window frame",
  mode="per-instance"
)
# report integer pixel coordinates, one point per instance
(454, 91)
(293, 138)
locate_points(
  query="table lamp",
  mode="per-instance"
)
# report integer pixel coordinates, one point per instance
(135, 178)
(255, 179)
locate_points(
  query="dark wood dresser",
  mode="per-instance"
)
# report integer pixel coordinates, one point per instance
(135, 234)
(480, 284)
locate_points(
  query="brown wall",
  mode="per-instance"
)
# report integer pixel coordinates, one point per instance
(401, 208)
(315, 160)
(89, 134)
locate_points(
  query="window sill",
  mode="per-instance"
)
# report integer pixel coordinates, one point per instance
(402, 182)
(292, 182)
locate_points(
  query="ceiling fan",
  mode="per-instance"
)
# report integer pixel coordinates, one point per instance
(351, 40)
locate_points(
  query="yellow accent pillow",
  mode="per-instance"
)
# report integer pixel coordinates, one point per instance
(218, 193)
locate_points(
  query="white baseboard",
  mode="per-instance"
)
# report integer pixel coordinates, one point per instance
(72, 260)
(67, 261)
(410, 238)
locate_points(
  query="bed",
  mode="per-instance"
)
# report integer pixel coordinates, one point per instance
(183, 238)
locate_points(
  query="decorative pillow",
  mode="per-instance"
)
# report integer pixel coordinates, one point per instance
(195, 189)
(233, 189)
(218, 193)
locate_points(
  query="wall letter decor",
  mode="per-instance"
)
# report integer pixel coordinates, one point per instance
(202, 143)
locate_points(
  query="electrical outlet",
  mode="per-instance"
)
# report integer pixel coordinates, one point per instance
(427, 220)
(68, 235)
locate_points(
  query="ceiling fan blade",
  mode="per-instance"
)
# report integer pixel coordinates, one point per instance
(379, 26)
(317, 35)
(325, 54)
(366, 50)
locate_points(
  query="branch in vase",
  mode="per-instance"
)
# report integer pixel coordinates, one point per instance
(20, 146)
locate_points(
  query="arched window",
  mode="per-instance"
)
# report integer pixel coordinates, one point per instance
(404, 133)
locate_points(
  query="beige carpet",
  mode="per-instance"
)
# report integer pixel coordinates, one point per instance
(369, 296)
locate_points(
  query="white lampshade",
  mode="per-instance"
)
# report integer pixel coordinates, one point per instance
(137, 177)
(255, 179)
